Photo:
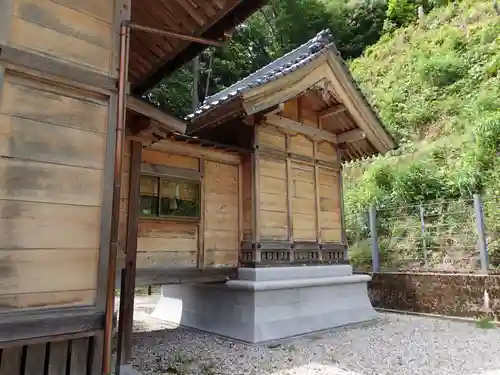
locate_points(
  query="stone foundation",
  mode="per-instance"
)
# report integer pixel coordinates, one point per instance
(269, 304)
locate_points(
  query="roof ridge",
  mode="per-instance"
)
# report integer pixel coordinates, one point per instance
(273, 70)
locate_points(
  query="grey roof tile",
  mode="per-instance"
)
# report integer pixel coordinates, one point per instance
(274, 70)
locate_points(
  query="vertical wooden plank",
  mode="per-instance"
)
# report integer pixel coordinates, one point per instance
(128, 273)
(35, 359)
(79, 356)
(240, 210)
(95, 354)
(201, 226)
(289, 189)
(256, 193)
(341, 192)
(10, 361)
(107, 198)
(58, 357)
(316, 195)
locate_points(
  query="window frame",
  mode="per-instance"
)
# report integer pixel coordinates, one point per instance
(162, 173)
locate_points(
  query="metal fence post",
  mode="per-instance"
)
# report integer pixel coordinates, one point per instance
(422, 230)
(483, 247)
(373, 234)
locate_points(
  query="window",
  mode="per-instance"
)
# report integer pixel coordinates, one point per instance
(169, 197)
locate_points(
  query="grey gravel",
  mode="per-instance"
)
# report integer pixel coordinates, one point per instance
(397, 344)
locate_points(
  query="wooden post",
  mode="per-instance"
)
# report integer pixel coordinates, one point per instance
(373, 233)
(256, 196)
(289, 190)
(126, 317)
(201, 226)
(483, 246)
(316, 200)
(422, 230)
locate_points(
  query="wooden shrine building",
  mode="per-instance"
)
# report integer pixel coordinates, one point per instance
(256, 187)
(70, 72)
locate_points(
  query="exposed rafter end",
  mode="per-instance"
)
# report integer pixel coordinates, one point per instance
(351, 136)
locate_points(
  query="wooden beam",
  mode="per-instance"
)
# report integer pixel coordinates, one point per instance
(166, 171)
(19, 59)
(53, 322)
(181, 148)
(333, 110)
(149, 110)
(351, 136)
(126, 318)
(162, 276)
(297, 127)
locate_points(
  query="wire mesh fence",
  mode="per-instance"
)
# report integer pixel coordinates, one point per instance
(444, 236)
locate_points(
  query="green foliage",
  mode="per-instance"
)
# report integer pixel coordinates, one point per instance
(272, 31)
(437, 88)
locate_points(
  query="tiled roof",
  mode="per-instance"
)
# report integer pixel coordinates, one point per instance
(276, 69)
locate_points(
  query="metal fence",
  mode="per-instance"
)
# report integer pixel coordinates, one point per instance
(447, 236)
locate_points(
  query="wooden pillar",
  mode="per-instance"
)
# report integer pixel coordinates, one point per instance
(126, 317)
(256, 197)
(289, 192)
(201, 225)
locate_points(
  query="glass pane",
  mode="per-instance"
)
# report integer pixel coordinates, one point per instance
(149, 205)
(149, 195)
(179, 198)
(149, 185)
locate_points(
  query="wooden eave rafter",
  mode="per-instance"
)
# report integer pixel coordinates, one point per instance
(331, 111)
(167, 123)
(198, 18)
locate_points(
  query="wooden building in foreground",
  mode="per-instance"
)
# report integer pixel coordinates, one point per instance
(65, 69)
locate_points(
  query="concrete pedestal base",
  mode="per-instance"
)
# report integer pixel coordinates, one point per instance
(266, 304)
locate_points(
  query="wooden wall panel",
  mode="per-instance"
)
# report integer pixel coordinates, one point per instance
(221, 242)
(326, 151)
(171, 160)
(303, 202)
(49, 28)
(48, 104)
(330, 205)
(247, 205)
(166, 243)
(301, 145)
(270, 137)
(273, 208)
(52, 151)
(43, 270)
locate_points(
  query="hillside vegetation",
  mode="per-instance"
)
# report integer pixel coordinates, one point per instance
(436, 86)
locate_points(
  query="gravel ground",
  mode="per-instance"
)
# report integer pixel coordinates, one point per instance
(397, 344)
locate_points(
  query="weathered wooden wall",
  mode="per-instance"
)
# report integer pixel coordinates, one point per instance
(58, 69)
(53, 134)
(52, 143)
(76, 32)
(214, 239)
(298, 182)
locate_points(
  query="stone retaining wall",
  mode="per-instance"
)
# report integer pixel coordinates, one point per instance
(435, 293)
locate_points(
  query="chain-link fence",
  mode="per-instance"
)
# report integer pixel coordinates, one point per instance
(450, 235)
